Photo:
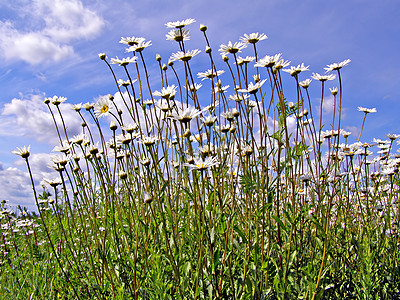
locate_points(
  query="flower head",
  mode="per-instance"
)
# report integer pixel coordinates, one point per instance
(305, 83)
(124, 61)
(323, 78)
(268, 61)
(185, 115)
(102, 107)
(366, 110)
(231, 48)
(253, 38)
(337, 66)
(252, 88)
(178, 35)
(200, 164)
(293, 71)
(23, 152)
(55, 100)
(180, 24)
(139, 47)
(131, 40)
(184, 56)
(209, 74)
(166, 93)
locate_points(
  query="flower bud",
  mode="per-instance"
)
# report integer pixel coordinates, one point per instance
(102, 56)
(203, 27)
(158, 57)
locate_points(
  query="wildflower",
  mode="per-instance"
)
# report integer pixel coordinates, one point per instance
(184, 56)
(239, 98)
(195, 87)
(268, 61)
(23, 152)
(53, 182)
(178, 35)
(166, 93)
(280, 64)
(245, 60)
(147, 198)
(201, 165)
(185, 115)
(139, 47)
(293, 71)
(102, 107)
(305, 83)
(149, 140)
(131, 40)
(366, 110)
(219, 88)
(393, 136)
(209, 74)
(55, 100)
(180, 24)
(253, 88)
(231, 48)
(334, 91)
(64, 149)
(253, 38)
(209, 120)
(88, 106)
(124, 83)
(323, 78)
(203, 27)
(102, 56)
(345, 134)
(337, 66)
(77, 107)
(123, 62)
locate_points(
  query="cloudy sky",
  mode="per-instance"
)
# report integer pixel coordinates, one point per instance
(50, 47)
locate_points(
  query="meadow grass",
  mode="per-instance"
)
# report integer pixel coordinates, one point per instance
(250, 197)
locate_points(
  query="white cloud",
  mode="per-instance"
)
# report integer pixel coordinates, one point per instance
(16, 184)
(30, 117)
(62, 21)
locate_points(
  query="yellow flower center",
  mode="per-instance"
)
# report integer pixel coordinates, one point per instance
(104, 109)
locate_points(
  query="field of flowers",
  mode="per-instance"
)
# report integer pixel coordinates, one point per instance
(196, 185)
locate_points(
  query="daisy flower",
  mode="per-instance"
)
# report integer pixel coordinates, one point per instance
(123, 62)
(337, 66)
(209, 74)
(166, 93)
(393, 136)
(185, 115)
(23, 151)
(252, 88)
(184, 56)
(55, 100)
(293, 71)
(245, 60)
(366, 110)
(180, 24)
(131, 40)
(305, 83)
(268, 61)
(323, 78)
(149, 140)
(200, 164)
(231, 48)
(253, 38)
(102, 107)
(139, 47)
(178, 35)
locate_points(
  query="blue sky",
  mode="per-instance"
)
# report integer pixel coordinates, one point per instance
(50, 47)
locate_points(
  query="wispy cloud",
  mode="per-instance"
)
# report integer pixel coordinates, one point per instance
(29, 116)
(62, 22)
